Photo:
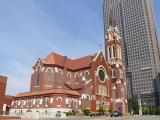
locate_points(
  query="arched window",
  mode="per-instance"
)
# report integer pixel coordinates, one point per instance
(58, 78)
(38, 76)
(68, 76)
(59, 101)
(38, 101)
(76, 77)
(46, 102)
(49, 77)
(113, 73)
(114, 51)
(86, 75)
(110, 53)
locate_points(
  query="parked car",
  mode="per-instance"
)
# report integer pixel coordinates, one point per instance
(116, 114)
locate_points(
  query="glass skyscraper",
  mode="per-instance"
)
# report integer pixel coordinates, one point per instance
(141, 58)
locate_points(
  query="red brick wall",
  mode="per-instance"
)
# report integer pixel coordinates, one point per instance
(3, 82)
(8, 100)
(96, 82)
(9, 118)
(63, 77)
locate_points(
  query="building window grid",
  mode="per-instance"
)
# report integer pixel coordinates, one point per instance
(134, 4)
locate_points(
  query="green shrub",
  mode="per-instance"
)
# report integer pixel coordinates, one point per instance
(29, 110)
(71, 113)
(74, 112)
(86, 111)
(151, 111)
(101, 110)
(68, 113)
(133, 106)
(110, 110)
(144, 111)
(157, 111)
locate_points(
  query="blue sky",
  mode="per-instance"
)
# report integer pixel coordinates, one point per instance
(34, 28)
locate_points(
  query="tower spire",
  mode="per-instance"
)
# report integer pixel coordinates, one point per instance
(112, 21)
(113, 43)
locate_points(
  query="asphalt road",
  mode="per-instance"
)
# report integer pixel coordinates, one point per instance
(120, 118)
(147, 117)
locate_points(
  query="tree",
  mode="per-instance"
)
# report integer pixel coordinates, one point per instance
(157, 111)
(133, 106)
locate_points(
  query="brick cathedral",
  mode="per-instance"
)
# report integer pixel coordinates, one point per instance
(60, 84)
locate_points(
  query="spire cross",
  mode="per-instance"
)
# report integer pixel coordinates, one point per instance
(100, 46)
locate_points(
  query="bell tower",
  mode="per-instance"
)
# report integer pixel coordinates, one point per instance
(113, 46)
(113, 42)
(114, 59)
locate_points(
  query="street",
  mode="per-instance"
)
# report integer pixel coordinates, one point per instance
(146, 117)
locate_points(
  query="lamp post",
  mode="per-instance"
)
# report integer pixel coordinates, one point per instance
(140, 104)
(147, 107)
(131, 109)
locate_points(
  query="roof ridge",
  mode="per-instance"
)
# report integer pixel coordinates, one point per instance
(85, 56)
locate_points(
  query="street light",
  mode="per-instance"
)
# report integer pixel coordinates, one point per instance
(144, 107)
(140, 104)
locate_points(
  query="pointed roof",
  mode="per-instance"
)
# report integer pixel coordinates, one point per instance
(80, 62)
(55, 59)
(112, 21)
(64, 61)
(112, 29)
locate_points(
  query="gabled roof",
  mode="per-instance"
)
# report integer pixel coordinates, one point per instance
(64, 61)
(80, 63)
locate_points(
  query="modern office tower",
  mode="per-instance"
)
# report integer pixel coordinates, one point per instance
(141, 59)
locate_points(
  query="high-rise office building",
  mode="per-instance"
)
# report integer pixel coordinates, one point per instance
(141, 59)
